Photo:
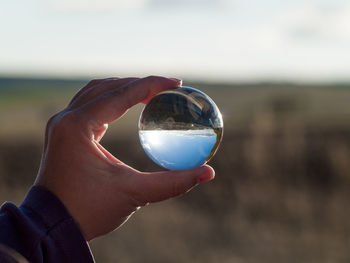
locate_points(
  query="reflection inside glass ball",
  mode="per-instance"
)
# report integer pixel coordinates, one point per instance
(180, 129)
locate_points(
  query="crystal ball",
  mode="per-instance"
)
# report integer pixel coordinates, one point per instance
(180, 129)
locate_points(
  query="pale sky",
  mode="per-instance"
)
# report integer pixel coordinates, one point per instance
(247, 40)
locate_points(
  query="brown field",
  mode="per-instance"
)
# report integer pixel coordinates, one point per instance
(282, 186)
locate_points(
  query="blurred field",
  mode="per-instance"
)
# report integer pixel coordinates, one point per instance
(282, 186)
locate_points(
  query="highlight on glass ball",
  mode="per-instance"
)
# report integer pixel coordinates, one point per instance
(181, 129)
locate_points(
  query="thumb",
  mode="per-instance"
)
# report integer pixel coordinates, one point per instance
(159, 186)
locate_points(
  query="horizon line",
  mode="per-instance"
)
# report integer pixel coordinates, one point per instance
(210, 81)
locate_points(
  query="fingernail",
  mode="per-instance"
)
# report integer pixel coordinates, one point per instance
(178, 81)
(207, 176)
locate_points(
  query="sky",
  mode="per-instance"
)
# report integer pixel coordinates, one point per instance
(220, 40)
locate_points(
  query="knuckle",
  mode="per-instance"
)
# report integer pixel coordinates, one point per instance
(61, 123)
(140, 199)
(126, 93)
(93, 82)
(182, 187)
(137, 199)
(51, 121)
(153, 78)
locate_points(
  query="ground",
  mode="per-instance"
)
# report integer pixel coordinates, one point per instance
(282, 183)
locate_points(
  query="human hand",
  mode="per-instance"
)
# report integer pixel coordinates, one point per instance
(100, 191)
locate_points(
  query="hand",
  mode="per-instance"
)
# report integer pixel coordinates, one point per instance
(99, 191)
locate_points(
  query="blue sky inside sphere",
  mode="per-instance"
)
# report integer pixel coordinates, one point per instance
(178, 149)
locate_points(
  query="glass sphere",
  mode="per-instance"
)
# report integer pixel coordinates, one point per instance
(180, 129)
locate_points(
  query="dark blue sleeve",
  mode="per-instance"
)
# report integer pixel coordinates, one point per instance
(42, 230)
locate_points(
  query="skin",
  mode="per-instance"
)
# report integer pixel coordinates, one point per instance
(99, 191)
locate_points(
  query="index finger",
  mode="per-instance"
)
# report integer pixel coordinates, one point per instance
(113, 104)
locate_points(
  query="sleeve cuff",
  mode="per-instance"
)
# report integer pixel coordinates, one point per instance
(53, 218)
